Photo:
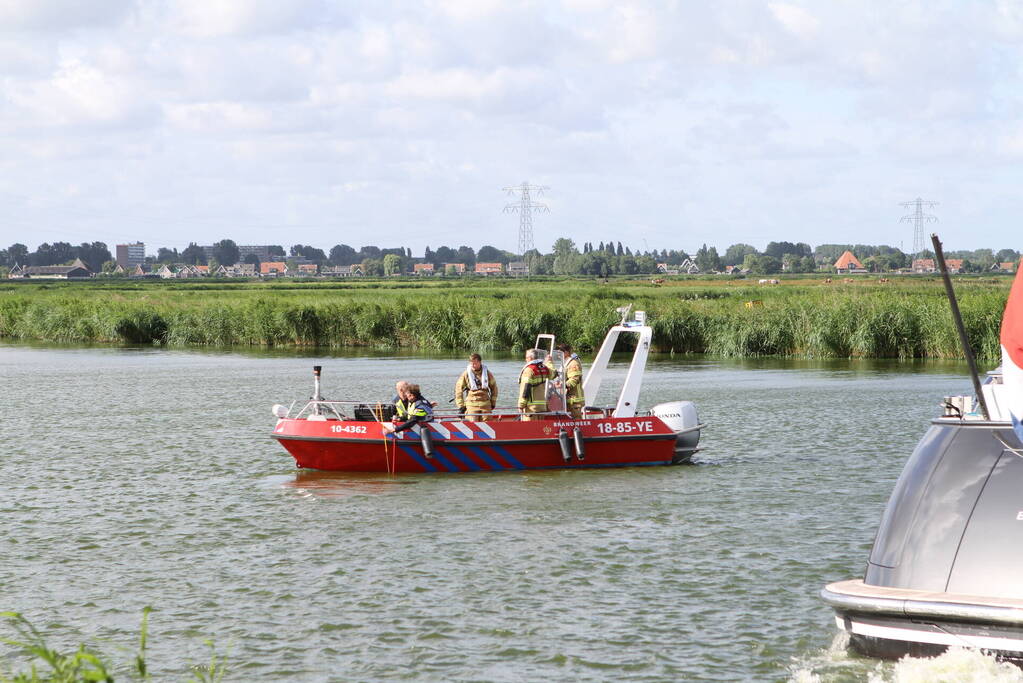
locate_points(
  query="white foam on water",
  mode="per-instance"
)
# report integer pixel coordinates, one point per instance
(957, 665)
(827, 664)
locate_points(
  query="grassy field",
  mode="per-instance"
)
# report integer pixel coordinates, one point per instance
(907, 317)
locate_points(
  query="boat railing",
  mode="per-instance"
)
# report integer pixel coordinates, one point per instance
(379, 411)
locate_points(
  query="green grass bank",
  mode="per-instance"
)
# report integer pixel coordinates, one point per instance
(903, 318)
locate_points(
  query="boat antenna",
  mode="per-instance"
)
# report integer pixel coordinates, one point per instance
(958, 318)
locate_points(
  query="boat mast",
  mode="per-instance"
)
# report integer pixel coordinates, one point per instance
(958, 318)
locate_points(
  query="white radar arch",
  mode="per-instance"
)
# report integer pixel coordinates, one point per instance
(629, 396)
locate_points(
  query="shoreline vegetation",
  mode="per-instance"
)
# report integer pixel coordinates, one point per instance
(47, 664)
(858, 317)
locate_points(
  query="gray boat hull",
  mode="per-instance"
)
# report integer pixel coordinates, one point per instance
(945, 566)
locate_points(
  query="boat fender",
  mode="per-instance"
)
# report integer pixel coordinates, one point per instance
(580, 447)
(566, 449)
(427, 439)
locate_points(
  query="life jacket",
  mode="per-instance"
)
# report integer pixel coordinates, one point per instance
(421, 410)
(400, 408)
(531, 382)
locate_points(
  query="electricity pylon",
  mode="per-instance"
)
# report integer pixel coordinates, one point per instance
(525, 208)
(918, 218)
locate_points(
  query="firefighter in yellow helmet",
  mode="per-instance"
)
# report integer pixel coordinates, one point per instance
(533, 385)
(476, 390)
(573, 382)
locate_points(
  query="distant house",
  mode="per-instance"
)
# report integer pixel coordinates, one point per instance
(518, 269)
(74, 271)
(1006, 267)
(923, 265)
(422, 268)
(237, 270)
(848, 263)
(954, 265)
(184, 271)
(489, 269)
(667, 269)
(307, 270)
(354, 270)
(273, 269)
(455, 268)
(689, 266)
(141, 270)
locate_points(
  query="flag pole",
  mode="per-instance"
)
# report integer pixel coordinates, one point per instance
(958, 318)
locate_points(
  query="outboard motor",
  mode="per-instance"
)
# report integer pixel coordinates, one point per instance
(681, 418)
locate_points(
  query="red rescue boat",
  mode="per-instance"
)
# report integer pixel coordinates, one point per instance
(348, 436)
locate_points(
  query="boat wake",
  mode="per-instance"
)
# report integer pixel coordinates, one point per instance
(835, 664)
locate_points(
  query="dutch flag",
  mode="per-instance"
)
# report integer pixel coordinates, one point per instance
(1012, 352)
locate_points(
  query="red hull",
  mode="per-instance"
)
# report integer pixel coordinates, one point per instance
(349, 446)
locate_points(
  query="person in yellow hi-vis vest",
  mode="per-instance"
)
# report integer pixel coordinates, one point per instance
(532, 385)
(400, 406)
(476, 390)
(573, 382)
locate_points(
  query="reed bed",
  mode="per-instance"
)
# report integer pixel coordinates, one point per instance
(904, 319)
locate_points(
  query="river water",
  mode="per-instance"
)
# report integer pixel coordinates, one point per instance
(134, 477)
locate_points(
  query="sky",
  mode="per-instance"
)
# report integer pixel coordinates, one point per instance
(658, 124)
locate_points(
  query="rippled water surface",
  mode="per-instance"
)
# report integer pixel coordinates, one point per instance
(147, 477)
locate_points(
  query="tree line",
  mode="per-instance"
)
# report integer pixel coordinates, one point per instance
(565, 257)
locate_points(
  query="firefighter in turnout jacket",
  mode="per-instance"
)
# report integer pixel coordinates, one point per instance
(533, 385)
(476, 390)
(573, 382)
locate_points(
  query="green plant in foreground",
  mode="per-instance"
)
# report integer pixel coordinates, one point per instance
(48, 665)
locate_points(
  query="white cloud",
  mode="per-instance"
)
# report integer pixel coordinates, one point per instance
(271, 110)
(795, 19)
(43, 15)
(80, 94)
(214, 18)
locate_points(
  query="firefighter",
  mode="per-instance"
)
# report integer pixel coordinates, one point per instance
(532, 385)
(573, 382)
(476, 390)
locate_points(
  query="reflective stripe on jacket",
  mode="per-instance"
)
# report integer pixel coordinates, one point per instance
(400, 409)
(466, 395)
(574, 380)
(420, 411)
(531, 384)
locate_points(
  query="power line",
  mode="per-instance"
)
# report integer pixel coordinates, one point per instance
(918, 218)
(525, 208)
